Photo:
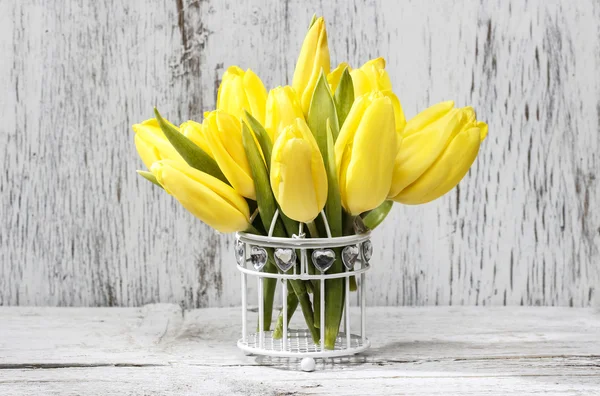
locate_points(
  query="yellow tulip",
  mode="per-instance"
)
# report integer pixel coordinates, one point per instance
(298, 177)
(242, 90)
(370, 77)
(365, 151)
(151, 143)
(223, 134)
(196, 133)
(314, 57)
(438, 147)
(206, 197)
(282, 109)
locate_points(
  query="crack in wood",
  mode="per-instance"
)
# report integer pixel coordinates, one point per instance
(21, 366)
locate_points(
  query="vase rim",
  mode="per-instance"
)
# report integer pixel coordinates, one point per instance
(301, 242)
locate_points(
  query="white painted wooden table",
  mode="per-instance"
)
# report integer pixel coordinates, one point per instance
(160, 349)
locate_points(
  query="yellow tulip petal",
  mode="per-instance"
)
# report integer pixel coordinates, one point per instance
(335, 76)
(295, 179)
(223, 136)
(375, 72)
(445, 173)
(314, 57)
(152, 144)
(344, 142)
(206, 197)
(147, 152)
(282, 109)
(360, 81)
(420, 149)
(317, 165)
(365, 152)
(242, 91)
(483, 129)
(256, 95)
(398, 112)
(298, 177)
(369, 173)
(195, 132)
(230, 74)
(428, 116)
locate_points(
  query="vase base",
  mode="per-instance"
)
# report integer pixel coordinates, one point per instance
(300, 345)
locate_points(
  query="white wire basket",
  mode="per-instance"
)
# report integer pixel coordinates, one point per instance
(291, 256)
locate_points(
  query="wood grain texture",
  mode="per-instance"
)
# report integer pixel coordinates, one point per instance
(161, 349)
(80, 228)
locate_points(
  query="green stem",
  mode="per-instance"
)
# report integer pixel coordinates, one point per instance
(312, 228)
(292, 304)
(348, 224)
(300, 290)
(316, 285)
(349, 230)
(269, 286)
(252, 230)
(334, 301)
(317, 302)
(304, 299)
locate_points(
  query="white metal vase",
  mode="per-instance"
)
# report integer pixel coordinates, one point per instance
(291, 256)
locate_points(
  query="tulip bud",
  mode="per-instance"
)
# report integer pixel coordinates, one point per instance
(206, 197)
(196, 133)
(282, 109)
(365, 151)
(241, 91)
(438, 147)
(152, 144)
(314, 57)
(298, 177)
(372, 76)
(224, 138)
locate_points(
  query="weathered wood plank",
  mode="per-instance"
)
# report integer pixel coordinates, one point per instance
(161, 349)
(79, 227)
(151, 334)
(259, 381)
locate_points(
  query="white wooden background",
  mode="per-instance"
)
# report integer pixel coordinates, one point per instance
(79, 227)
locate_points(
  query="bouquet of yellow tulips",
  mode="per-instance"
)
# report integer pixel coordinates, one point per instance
(335, 141)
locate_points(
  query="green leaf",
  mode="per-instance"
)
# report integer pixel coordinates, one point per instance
(312, 21)
(189, 151)
(344, 97)
(321, 109)
(149, 176)
(333, 207)
(291, 226)
(262, 136)
(377, 215)
(264, 195)
(334, 288)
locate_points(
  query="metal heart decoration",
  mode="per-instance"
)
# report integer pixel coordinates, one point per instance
(240, 251)
(285, 258)
(349, 256)
(367, 250)
(258, 257)
(323, 259)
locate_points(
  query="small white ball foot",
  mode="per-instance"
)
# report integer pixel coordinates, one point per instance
(307, 364)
